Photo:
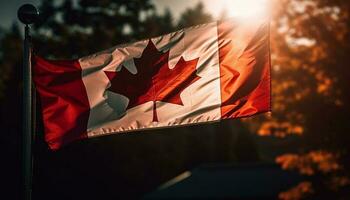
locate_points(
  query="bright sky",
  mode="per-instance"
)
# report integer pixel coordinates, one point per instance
(234, 8)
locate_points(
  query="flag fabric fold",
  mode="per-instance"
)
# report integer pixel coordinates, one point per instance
(209, 72)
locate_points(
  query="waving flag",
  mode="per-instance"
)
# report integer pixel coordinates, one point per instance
(204, 73)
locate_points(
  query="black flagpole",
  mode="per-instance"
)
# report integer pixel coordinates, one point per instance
(27, 14)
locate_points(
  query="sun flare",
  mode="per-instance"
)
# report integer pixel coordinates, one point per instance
(239, 8)
(247, 8)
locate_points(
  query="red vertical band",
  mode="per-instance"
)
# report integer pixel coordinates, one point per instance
(244, 76)
(64, 102)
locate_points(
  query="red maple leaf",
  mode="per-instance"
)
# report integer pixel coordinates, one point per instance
(154, 80)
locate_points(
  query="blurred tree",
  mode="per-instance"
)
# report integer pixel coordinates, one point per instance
(194, 16)
(79, 24)
(10, 51)
(310, 47)
(155, 24)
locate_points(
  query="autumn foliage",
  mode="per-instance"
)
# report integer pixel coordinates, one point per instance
(309, 51)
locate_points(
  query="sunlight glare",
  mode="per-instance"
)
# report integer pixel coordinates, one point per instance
(246, 8)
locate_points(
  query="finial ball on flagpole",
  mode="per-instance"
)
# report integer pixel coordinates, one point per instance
(27, 14)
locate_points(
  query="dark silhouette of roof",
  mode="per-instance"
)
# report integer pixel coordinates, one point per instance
(235, 181)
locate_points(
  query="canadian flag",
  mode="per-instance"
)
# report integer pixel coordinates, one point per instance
(204, 73)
